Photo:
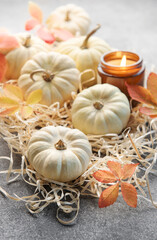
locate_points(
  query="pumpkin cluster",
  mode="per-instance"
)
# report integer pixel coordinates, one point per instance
(55, 69)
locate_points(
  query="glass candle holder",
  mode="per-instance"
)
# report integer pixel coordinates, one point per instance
(111, 71)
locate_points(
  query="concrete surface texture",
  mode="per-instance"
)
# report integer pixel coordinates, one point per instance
(126, 25)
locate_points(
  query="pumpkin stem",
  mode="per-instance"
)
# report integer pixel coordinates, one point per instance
(98, 105)
(60, 145)
(46, 75)
(27, 41)
(84, 45)
(67, 16)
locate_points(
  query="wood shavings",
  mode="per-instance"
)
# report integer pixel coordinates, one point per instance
(135, 144)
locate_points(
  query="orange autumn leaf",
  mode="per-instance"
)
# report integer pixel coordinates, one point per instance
(36, 16)
(104, 176)
(129, 194)
(7, 43)
(116, 168)
(141, 94)
(31, 23)
(117, 173)
(36, 20)
(9, 111)
(152, 84)
(128, 170)
(147, 96)
(62, 34)
(149, 111)
(109, 196)
(35, 11)
(45, 35)
(3, 66)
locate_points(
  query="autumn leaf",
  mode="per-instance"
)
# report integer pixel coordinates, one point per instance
(31, 23)
(115, 167)
(43, 32)
(147, 96)
(104, 176)
(3, 66)
(7, 43)
(128, 170)
(141, 94)
(45, 35)
(26, 111)
(13, 92)
(7, 102)
(149, 111)
(129, 194)
(61, 34)
(34, 97)
(35, 11)
(9, 111)
(117, 173)
(152, 84)
(12, 100)
(36, 16)
(109, 196)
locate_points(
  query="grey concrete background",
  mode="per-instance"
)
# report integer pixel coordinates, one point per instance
(126, 25)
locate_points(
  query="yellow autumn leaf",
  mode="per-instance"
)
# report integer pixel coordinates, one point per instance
(26, 111)
(34, 97)
(7, 102)
(9, 111)
(13, 92)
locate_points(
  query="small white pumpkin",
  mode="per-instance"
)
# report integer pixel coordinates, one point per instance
(69, 17)
(86, 51)
(100, 109)
(59, 153)
(29, 46)
(54, 73)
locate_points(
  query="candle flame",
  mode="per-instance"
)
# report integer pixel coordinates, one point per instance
(123, 61)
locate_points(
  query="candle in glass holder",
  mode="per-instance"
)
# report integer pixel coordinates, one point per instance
(119, 67)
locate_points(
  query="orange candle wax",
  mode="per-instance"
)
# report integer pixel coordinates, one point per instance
(119, 67)
(117, 62)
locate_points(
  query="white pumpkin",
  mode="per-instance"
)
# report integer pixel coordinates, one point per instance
(59, 153)
(100, 109)
(54, 73)
(69, 17)
(29, 46)
(86, 51)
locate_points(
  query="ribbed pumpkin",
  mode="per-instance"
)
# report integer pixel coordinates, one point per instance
(59, 153)
(71, 18)
(54, 73)
(29, 46)
(100, 109)
(86, 51)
